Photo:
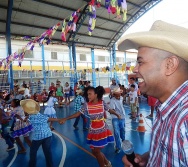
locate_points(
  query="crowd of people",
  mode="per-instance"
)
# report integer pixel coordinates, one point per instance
(161, 72)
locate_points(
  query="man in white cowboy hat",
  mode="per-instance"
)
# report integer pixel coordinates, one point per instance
(42, 134)
(162, 70)
(116, 104)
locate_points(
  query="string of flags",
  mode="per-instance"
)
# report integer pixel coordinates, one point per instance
(117, 68)
(112, 6)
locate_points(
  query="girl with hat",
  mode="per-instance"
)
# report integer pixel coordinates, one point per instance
(99, 134)
(49, 110)
(42, 134)
(22, 126)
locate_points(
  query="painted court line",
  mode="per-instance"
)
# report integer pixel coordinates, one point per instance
(64, 148)
(15, 155)
(76, 145)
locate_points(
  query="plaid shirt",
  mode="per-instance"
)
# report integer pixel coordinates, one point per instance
(40, 126)
(78, 103)
(169, 146)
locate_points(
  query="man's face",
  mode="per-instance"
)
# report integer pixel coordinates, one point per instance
(131, 81)
(150, 71)
(117, 95)
(113, 81)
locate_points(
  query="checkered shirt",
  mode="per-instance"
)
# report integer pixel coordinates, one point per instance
(169, 144)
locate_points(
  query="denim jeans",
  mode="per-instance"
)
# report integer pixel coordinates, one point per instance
(5, 134)
(119, 131)
(46, 146)
(84, 121)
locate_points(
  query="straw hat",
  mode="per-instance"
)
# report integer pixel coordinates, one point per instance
(21, 89)
(30, 106)
(117, 91)
(162, 35)
(78, 91)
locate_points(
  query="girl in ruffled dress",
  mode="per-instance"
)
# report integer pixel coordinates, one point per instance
(99, 134)
(22, 127)
(49, 110)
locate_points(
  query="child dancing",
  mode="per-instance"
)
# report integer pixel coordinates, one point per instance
(99, 134)
(49, 110)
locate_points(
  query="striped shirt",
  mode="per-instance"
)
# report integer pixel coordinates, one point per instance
(169, 144)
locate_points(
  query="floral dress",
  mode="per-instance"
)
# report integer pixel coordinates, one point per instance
(49, 110)
(21, 128)
(99, 134)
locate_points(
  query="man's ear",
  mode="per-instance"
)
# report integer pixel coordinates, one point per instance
(171, 65)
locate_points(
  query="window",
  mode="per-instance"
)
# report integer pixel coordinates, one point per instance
(28, 53)
(101, 58)
(54, 55)
(119, 59)
(82, 57)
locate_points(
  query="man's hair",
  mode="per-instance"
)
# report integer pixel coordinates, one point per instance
(132, 78)
(133, 86)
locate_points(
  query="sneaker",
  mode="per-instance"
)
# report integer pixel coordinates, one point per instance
(10, 148)
(75, 127)
(117, 151)
(85, 129)
(150, 117)
(22, 152)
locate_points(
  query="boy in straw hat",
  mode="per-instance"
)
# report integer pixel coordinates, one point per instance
(116, 104)
(42, 134)
(162, 70)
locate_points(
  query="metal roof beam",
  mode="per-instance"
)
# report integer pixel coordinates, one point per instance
(71, 9)
(147, 6)
(131, 3)
(46, 28)
(51, 17)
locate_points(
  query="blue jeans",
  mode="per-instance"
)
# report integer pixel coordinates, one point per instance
(119, 131)
(5, 134)
(84, 121)
(46, 146)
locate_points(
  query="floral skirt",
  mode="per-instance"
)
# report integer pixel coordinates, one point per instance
(99, 137)
(22, 128)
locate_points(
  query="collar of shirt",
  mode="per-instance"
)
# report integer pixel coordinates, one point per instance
(164, 109)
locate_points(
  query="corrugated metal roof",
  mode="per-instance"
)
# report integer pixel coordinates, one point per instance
(32, 18)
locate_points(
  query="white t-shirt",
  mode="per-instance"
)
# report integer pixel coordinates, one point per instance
(133, 96)
(136, 86)
(67, 89)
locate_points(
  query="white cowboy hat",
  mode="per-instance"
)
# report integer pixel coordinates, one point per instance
(79, 91)
(162, 35)
(117, 90)
(21, 89)
(30, 106)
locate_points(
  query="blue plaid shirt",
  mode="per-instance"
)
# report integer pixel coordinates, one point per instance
(78, 103)
(40, 126)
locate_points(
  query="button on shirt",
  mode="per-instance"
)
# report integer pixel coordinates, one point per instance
(117, 105)
(40, 126)
(169, 144)
(78, 103)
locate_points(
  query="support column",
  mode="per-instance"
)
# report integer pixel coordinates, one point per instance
(74, 61)
(114, 60)
(126, 73)
(93, 68)
(110, 52)
(43, 65)
(70, 61)
(8, 42)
